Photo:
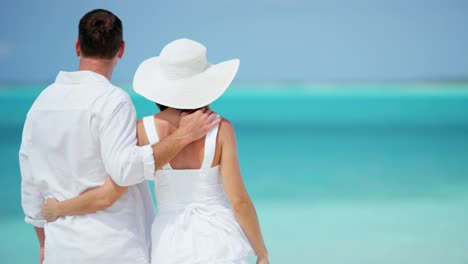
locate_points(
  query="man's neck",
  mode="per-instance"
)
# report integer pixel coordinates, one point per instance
(104, 67)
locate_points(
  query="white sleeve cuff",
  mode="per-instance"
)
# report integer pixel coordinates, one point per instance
(37, 223)
(148, 162)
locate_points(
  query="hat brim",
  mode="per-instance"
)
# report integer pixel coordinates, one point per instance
(189, 93)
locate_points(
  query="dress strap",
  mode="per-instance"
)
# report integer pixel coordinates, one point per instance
(210, 147)
(150, 128)
(152, 134)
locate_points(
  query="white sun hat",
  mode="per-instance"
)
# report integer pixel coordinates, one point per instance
(181, 77)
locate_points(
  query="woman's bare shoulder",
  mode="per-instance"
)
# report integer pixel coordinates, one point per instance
(141, 132)
(226, 131)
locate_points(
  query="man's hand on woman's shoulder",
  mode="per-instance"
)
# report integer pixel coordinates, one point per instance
(195, 125)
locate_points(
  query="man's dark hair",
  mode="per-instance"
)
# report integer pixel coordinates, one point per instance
(100, 34)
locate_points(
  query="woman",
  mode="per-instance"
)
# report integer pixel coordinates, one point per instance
(194, 223)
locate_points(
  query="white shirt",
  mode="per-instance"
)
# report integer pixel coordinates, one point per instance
(80, 130)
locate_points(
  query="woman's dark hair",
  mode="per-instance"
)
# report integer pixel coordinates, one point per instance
(100, 34)
(163, 107)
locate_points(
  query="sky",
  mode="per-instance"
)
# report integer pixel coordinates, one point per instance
(305, 41)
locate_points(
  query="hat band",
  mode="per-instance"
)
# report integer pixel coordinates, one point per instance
(175, 70)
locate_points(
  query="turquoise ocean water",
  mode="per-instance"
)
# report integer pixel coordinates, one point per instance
(339, 174)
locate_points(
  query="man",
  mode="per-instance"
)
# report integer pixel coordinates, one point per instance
(80, 130)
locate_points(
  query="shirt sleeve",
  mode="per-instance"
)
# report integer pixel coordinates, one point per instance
(127, 163)
(31, 196)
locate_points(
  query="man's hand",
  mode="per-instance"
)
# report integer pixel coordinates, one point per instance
(198, 123)
(192, 126)
(50, 210)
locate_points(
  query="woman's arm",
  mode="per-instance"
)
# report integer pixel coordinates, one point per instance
(237, 195)
(90, 201)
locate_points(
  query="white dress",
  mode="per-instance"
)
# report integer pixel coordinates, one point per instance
(194, 223)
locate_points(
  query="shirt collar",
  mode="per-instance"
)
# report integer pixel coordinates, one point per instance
(80, 77)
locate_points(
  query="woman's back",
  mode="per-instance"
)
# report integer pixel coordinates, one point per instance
(192, 181)
(192, 208)
(190, 157)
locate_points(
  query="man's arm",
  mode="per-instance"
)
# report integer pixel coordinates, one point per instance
(123, 160)
(41, 237)
(31, 197)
